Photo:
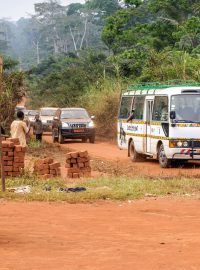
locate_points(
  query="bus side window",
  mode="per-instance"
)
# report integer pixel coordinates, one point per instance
(160, 111)
(125, 107)
(139, 107)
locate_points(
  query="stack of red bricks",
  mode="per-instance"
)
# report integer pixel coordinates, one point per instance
(13, 156)
(47, 168)
(78, 164)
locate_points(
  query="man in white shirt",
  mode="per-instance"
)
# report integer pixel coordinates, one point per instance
(19, 128)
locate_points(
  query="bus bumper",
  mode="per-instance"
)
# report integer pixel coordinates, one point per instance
(184, 153)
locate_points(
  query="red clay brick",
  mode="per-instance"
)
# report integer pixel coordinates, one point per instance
(18, 148)
(8, 168)
(7, 158)
(19, 159)
(19, 154)
(9, 163)
(67, 165)
(74, 154)
(54, 165)
(83, 154)
(10, 154)
(73, 160)
(13, 140)
(73, 170)
(6, 144)
(81, 165)
(18, 165)
(15, 169)
(48, 161)
(53, 172)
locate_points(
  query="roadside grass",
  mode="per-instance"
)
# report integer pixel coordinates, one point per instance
(104, 188)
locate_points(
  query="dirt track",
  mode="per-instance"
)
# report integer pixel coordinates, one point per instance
(148, 235)
(107, 151)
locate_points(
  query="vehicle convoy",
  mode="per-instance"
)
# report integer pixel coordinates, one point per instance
(165, 123)
(46, 116)
(73, 123)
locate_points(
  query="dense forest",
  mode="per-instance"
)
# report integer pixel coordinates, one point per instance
(76, 54)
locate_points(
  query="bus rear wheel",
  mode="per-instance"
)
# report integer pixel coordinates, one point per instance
(163, 160)
(134, 155)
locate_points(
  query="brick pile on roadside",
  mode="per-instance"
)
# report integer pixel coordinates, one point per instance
(13, 156)
(47, 168)
(78, 164)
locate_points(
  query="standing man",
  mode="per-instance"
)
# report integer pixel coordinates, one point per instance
(38, 128)
(19, 128)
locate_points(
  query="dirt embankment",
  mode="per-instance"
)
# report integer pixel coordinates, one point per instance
(109, 159)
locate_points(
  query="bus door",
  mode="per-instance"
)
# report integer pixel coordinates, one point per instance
(149, 111)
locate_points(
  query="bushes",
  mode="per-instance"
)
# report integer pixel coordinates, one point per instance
(102, 100)
(11, 92)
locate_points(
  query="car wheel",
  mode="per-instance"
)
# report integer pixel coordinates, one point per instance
(60, 138)
(84, 140)
(92, 139)
(163, 160)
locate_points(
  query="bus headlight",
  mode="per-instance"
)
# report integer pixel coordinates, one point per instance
(178, 144)
(185, 144)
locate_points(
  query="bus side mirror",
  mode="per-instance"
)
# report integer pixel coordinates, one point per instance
(172, 115)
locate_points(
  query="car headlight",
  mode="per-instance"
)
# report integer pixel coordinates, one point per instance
(91, 124)
(65, 125)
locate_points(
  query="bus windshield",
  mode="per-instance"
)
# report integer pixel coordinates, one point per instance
(187, 108)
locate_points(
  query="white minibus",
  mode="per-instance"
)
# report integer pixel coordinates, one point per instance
(165, 122)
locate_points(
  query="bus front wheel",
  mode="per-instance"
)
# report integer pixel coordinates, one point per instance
(134, 156)
(163, 160)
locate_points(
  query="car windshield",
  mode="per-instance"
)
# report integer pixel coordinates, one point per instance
(47, 112)
(187, 108)
(32, 113)
(78, 114)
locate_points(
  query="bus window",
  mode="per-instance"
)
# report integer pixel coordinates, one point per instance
(139, 107)
(160, 111)
(125, 107)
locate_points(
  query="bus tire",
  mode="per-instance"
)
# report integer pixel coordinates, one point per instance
(134, 156)
(163, 160)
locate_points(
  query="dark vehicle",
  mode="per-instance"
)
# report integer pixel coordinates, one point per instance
(73, 123)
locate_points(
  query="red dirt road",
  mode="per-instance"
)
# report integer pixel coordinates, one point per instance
(100, 149)
(143, 235)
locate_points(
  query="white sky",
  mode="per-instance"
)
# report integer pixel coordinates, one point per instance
(15, 9)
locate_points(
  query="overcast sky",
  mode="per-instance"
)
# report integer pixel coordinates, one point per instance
(15, 9)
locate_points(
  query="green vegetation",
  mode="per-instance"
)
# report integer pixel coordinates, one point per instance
(119, 189)
(11, 91)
